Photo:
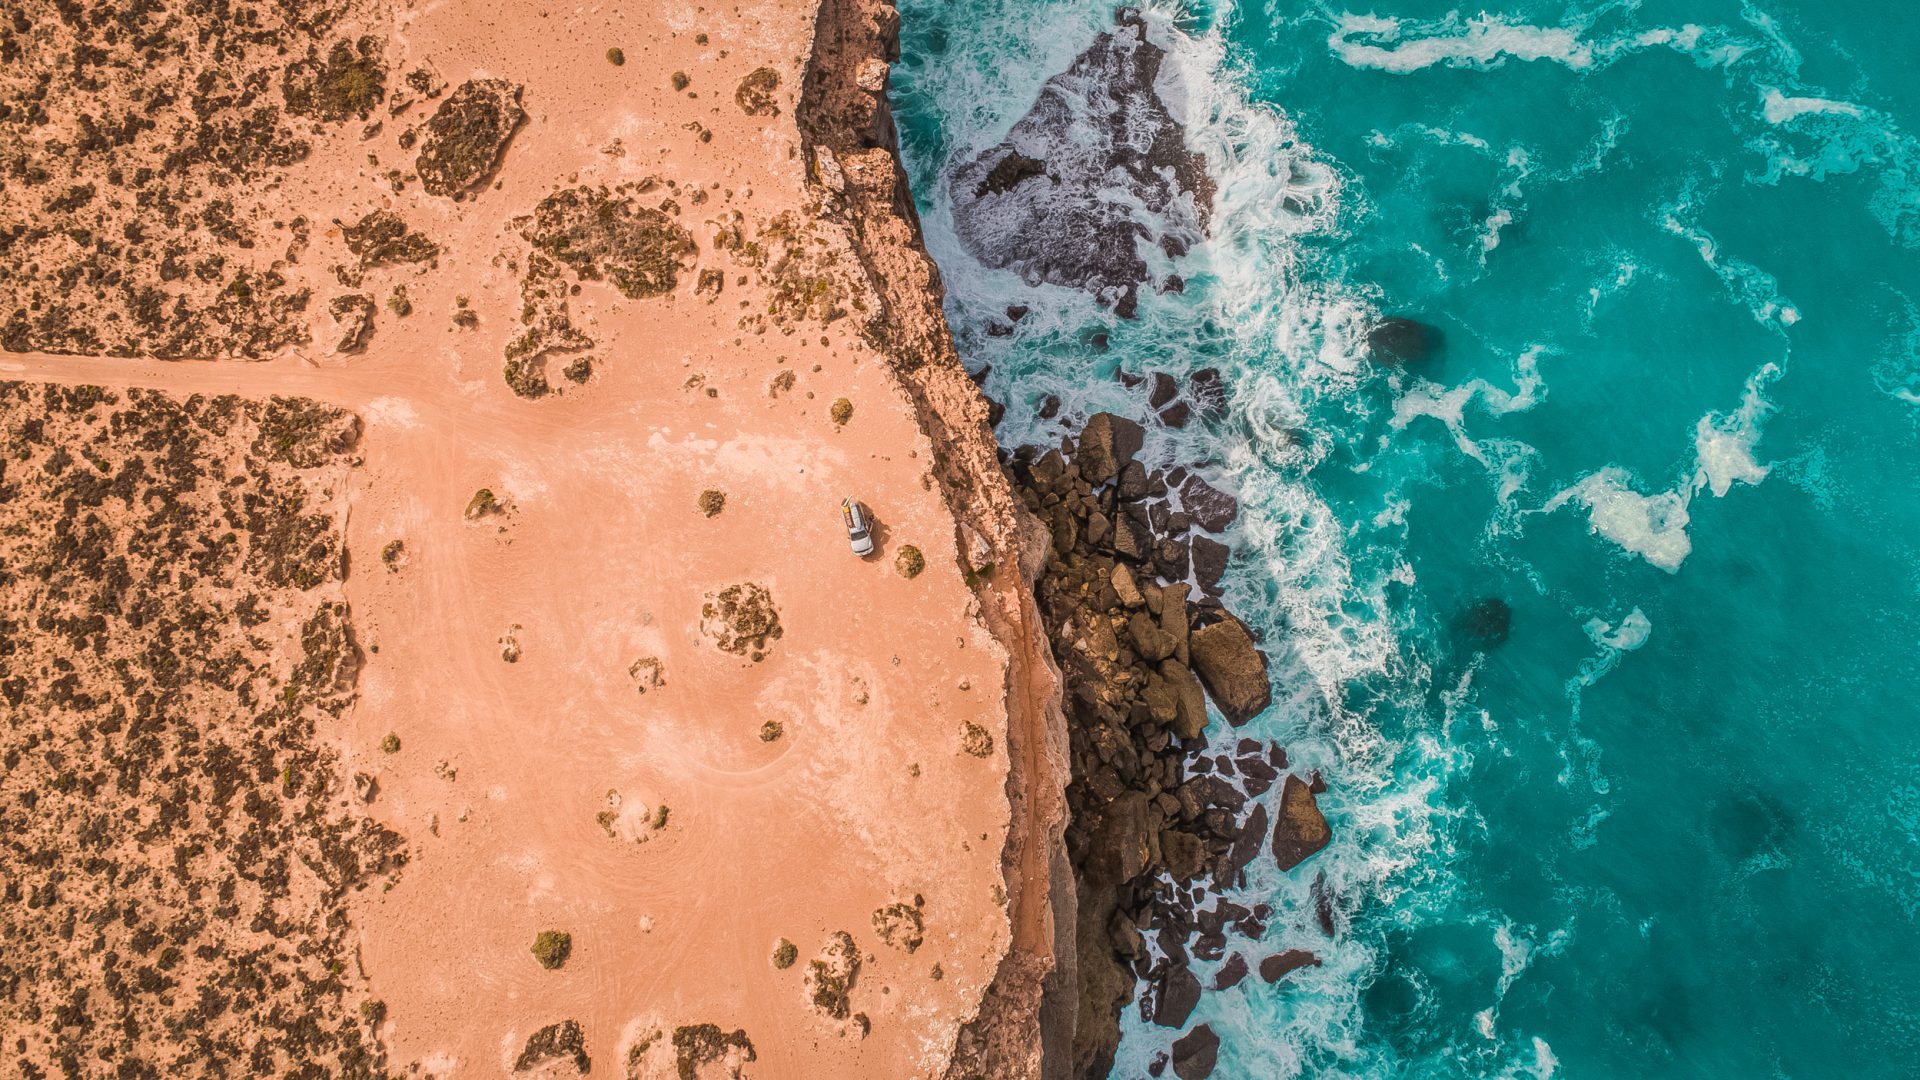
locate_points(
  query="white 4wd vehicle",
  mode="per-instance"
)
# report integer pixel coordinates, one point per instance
(859, 527)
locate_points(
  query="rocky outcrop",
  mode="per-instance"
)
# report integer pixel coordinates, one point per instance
(1094, 169)
(1150, 807)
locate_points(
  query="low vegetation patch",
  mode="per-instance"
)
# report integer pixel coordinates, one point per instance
(562, 1042)
(756, 93)
(552, 947)
(910, 562)
(840, 411)
(742, 620)
(712, 502)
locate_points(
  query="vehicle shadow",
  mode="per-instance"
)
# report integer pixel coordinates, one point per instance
(880, 533)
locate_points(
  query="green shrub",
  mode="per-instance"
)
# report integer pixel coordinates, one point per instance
(841, 412)
(771, 730)
(552, 947)
(910, 562)
(784, 954)
(712, 502)
(616, 57)
(390, 744)
(680, 80)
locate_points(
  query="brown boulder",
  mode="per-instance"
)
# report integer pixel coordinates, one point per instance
(1117, 851)
(1185, 855)
(1196, 1053)
(1234, 670)
(1179, 992)
(1189, 701)
(1301, 829)
(1209, 562)
(1152, 643)
(1280, 965)
(1231, 973)
(1107, 443)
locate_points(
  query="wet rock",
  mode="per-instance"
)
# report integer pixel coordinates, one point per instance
(1164, 390)
(1211, 508)
(1041, 202)
(1152, 643)
(1016, 312)
(1196, 1053)
(1247, 845)
(1178, 993)
(1133, 481)
(1281, 964)
(1402, 341)
(1301, 829)
(468, 135)
(1209, 392)
(1323, 904)
(1176, 415)
(1234, 671)
(1107, 444)
(1231, 972)
(1049, 407)
(1209, 562)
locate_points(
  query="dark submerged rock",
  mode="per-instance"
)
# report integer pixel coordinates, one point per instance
(1209, 392)
(1487, 623)
(1402, 341)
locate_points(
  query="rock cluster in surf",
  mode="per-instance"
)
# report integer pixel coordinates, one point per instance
(1160, 819)
(1096, 167)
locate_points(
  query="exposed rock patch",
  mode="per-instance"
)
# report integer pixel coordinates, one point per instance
(831, 975)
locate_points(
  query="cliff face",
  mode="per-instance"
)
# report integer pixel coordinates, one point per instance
(1025, 1023)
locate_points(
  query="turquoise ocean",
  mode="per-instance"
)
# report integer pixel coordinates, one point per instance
(1671, 825)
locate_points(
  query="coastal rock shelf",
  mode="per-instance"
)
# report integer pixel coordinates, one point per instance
(1162, 821)
(1097, 165)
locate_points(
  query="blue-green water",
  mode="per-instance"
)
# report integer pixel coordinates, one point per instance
(1672, 826)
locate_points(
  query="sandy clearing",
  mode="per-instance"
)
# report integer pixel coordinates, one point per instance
(603, 558)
